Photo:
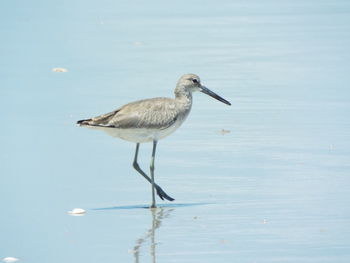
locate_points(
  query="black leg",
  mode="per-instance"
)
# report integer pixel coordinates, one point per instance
(160, 191)
(152, 174)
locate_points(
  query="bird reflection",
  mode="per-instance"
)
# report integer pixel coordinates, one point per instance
(158, 215)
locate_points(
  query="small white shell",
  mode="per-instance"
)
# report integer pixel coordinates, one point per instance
(10, 259)
(223, 131)
(77, 211)
(60, 70)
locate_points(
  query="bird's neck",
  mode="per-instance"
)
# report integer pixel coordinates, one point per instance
(184, 97)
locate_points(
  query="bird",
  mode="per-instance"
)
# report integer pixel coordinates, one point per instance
(150, 120)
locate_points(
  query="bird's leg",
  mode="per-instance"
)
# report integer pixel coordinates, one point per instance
(152, 173)
(160, 191)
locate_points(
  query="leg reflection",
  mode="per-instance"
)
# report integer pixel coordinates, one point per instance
(157, 216)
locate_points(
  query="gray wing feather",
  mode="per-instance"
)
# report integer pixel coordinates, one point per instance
(159, 113)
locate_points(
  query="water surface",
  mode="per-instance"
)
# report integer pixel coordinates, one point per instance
(273, 188)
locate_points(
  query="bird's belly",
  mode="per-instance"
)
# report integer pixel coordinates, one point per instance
(139, 134)
(167, 131)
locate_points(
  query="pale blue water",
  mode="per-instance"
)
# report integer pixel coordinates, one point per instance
(276, 188)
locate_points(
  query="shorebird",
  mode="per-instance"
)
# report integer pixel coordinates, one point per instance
(150, 120)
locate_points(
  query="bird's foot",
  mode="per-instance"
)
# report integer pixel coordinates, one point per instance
(162, 195)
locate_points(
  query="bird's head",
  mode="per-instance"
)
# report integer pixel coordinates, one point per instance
(189, 83)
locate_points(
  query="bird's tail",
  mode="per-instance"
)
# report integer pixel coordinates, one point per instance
(84, 122)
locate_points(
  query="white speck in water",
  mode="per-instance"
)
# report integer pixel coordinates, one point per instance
(137, 44)
(60, 70)
(77, 211)
(10, 259)
(223, 131)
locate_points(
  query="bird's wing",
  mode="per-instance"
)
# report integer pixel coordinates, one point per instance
(157, 113)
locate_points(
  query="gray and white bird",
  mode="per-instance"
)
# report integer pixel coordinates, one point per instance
(150, 120)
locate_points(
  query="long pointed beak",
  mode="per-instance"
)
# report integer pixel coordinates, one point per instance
(213, 94)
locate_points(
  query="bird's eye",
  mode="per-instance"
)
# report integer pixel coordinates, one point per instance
(194, 80)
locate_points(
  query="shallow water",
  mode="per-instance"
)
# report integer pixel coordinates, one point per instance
(273, 188)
